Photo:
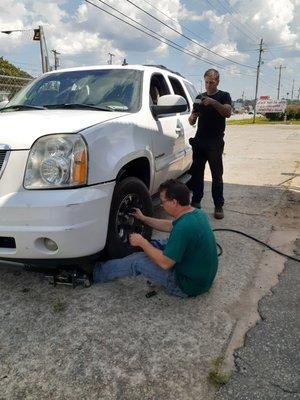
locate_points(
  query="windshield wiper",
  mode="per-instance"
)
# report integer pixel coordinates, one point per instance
(77, 106)
(23, 107)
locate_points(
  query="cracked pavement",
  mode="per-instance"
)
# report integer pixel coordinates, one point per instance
(268, 364)
(110, 342)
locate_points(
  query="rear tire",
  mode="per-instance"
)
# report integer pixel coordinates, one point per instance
(130, 192)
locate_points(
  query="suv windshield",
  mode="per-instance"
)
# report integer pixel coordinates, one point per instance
(108, 89)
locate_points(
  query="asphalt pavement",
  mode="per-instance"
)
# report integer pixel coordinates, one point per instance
(268, 365)
(111, 342)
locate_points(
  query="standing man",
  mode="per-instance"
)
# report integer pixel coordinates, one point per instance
(187, 264)
(211, 109)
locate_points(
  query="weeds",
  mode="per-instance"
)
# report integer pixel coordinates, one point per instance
(59, 306)
(215, 376)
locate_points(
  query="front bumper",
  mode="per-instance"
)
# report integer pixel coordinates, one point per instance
(75, 219)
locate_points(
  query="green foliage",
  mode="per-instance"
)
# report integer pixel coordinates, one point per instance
(6, 68)
(215, 376)
(59, 306)
(274, 116)
(292, 113)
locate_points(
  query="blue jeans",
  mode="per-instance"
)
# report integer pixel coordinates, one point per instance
(138, 264)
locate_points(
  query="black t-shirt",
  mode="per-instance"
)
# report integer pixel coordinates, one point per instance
(211, 124)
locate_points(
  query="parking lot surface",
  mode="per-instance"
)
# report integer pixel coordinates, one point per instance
(111, 342)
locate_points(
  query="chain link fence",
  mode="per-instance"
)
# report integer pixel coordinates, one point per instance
(10, 85)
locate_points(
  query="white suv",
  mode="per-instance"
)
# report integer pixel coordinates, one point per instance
(78, 149)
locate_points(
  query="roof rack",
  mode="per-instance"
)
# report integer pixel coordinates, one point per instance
(163, 67)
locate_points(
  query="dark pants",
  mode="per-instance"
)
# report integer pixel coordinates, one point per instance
(202, 154)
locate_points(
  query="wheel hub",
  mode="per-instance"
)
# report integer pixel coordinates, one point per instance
(125, 222)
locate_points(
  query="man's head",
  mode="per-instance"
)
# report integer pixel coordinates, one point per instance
(174, 196)
(211, 79)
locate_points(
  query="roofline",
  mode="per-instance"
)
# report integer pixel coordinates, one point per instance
(138, 67)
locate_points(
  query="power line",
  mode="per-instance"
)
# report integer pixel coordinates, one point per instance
(243, 32)
(188, 38)
(176, 46)
(173, 19)
(165, 41)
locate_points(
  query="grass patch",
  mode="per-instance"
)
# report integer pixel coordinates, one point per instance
(215, 376)
(59, 306)
(260, 121)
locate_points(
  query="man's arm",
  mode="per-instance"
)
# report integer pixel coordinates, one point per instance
(193, 117)
(223, 109)
(152, 252)
(163, 225)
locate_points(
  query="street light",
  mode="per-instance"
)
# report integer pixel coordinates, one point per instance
(38, 35)
(15, 30)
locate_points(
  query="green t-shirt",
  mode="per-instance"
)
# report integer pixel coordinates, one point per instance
(192, 245)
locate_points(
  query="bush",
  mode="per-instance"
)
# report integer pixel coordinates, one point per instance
(274, 116)
(292, 112)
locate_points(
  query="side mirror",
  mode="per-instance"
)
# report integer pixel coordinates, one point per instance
(169, 104)
(3, 103)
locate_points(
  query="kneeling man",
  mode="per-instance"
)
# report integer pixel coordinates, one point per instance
(185, 264)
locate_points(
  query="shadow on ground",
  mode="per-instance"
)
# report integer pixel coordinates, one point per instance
(111, 342)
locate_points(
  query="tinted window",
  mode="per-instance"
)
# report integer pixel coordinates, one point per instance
(192, 90)
(118, 89)
(178, 89)
(158, 88)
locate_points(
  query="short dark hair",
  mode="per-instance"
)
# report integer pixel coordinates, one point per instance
(212, 71)
(176, 190)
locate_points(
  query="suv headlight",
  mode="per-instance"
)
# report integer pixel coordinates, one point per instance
(57, 161)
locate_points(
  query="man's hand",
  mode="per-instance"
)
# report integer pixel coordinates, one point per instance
(223, 109)
(156, 255)
(137, 213)
(207, 101)
(193, 117)
(136, 240)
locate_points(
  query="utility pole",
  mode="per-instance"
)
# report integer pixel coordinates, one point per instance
(111, 55)
(279, 79)
(56, 59)
(257, 78)
(292, 95)
(298, 93)
(39, 35)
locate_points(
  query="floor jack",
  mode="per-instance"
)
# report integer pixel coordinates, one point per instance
(70, 278)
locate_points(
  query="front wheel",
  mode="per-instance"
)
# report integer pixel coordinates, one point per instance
(130, 192)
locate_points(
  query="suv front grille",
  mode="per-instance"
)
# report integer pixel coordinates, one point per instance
(4, 153)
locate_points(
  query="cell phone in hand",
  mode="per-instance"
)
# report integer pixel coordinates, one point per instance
(197, 103)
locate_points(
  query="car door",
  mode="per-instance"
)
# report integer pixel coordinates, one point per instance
(168, 142)
(187, 131)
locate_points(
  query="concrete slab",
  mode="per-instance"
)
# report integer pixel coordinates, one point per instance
(111, 342)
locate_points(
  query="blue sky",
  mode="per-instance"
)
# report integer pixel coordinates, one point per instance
(230, 29)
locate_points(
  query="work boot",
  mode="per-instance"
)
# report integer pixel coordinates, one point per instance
(219, 213)
(196, 204)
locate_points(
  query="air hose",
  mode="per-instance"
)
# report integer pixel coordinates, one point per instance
(256, 240)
